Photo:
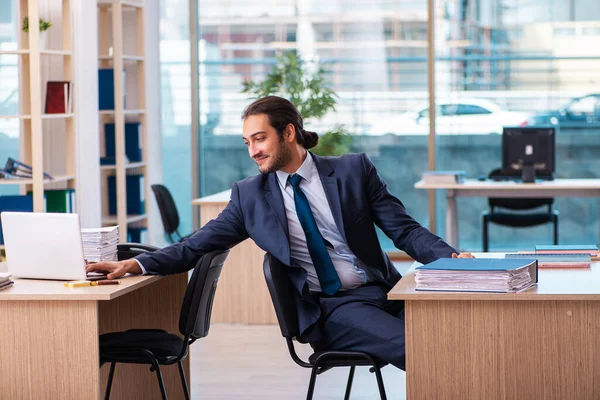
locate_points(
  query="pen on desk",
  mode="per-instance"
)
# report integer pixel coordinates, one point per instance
(91, 283)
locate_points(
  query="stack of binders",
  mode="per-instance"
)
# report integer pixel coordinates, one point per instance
(100, 244)
(5, 281)
(477, 275)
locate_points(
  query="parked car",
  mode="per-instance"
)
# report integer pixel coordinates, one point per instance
(456, 117)
(579, 112)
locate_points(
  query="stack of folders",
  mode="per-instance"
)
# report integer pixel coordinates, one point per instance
(589, 249)
(477, 275)
(5, 281)
(556, 260)
(100, 244)
(444, 177)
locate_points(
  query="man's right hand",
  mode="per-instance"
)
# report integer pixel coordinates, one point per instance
(115, 269)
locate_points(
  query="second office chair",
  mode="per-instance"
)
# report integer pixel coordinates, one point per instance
(168, 212)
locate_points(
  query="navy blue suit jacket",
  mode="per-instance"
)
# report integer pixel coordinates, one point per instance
(359, 200)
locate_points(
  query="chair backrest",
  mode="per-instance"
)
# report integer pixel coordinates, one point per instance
(167, 208)
(194, 319)
(125, 251)
(282, 295)
(516, 204)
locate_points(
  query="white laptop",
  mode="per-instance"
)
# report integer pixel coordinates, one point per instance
(43, 245)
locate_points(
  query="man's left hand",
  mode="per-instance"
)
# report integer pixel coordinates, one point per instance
(463, 255)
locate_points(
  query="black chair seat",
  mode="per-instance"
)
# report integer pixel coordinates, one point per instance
(156, 346)
(340, 359)
(284, 302)
(117, 346)
(520, 220)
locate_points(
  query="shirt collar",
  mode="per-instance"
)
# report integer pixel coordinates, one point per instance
(304, 171)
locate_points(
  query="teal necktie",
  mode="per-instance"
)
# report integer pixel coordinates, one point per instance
(328, 277)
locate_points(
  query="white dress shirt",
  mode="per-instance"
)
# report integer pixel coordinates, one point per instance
(349, 268)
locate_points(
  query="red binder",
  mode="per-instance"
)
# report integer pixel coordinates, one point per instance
(58, 97)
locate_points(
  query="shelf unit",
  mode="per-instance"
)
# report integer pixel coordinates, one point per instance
(47, 141)
(40, 132)
(123, 51)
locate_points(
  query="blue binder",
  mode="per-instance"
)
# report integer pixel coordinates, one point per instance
(134, 185)
(106, 89)
(133, 145)
(14, 203)
(137, 235)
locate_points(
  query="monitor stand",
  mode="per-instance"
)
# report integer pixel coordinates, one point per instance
(528, 174)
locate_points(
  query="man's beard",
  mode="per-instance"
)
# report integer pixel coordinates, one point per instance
(280, 159)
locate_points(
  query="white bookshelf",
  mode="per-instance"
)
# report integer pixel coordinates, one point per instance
(122, 48)
(36, 67)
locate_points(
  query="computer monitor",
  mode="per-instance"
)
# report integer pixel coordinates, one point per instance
(530, 150)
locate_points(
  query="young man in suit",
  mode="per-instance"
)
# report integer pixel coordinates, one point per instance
(316, 215)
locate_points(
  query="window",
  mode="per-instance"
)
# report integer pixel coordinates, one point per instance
(176, 106)
(471, 109)
(532, 58)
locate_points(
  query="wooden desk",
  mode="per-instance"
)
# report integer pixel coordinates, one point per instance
(243, 296)
(538, 344)
(474, 188)
(49, 337)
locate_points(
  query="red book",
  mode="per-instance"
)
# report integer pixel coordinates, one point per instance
(58, 95)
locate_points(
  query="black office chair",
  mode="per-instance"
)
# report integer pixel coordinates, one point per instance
(157, 347)
(499, 215)
(282, 295)
(125, 251)
(168, 212)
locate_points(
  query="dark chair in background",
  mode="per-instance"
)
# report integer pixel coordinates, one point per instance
(157, 347)
(125, 251)
(282, 294)
(510, 211)
(168, 212)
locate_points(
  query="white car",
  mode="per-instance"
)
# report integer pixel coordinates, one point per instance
(460, 117)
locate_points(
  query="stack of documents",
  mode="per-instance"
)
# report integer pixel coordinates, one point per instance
(100, 244)
(590, 249)
(444, 177)
(557, 260)
(477, 275)
(5, 281)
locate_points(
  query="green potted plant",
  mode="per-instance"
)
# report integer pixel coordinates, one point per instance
(44, 26)
(303, 83)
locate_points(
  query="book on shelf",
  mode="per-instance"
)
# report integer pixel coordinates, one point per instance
(590, 249)
(477, 275)
(14, 203)
(134, 186)
(444, 177)
(59, 200)
(58, 97)
(106, 89)
(133, 141)
(14, 169)
(137, 234)
(556, 260)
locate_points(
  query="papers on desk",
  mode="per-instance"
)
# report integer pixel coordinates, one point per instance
(477, 275)
(100, 244)
(5, 281)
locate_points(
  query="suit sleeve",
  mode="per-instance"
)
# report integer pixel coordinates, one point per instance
(223, 232)
(390, 215)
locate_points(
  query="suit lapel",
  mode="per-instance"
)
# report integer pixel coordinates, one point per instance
(275, 200)
(330, 185)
